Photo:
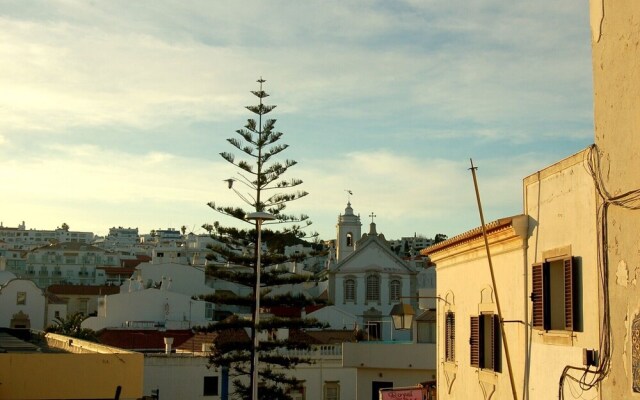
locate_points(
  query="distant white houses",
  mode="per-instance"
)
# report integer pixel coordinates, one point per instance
(20, 237)
(69, 262)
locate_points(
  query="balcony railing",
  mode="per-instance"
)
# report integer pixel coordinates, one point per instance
(324, 351)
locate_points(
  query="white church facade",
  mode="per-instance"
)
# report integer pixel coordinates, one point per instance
(366, 278)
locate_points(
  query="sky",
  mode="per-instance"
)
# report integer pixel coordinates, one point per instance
(114, 113)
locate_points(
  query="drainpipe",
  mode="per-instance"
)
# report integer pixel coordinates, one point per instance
(521, 227)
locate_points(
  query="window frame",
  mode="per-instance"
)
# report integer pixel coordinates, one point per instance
(426, 332)
(543, 298)
(484, 342)
(372, 289)
(395, 290)
(215, 388)
(333, 385)
(21, 298)
(350, 295)
(208, 310)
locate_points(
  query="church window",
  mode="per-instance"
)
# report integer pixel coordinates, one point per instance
(373, 288)
(349, 239)
(394, 290)
(350, 290)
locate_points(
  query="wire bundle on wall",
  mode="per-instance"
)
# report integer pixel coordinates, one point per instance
(631, 201)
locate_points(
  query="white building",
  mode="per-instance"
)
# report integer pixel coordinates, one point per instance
(22, 303)
(183, 376)
(119, 239)
(150, 308)
(179, 278)
(69, 262)
(22, 238)
(410, 245)
(548, 284)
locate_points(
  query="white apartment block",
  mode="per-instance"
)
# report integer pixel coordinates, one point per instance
(22, 238)
(119, 239)
(71, 262)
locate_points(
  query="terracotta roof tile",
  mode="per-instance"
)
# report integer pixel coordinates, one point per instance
(474, 233)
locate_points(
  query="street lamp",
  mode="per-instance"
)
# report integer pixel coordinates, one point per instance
(402, 315)
(259, 217)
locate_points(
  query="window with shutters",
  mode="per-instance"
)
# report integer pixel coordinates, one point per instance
(450, 336)
(484, 343)
(553, 291)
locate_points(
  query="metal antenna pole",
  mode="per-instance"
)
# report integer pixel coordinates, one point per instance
(493, 280)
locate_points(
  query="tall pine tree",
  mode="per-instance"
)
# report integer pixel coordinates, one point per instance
(261, 187)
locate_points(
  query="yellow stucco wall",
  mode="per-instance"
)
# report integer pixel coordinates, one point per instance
(464, 281)
(561, 202)
(616, 73)
(70, 376)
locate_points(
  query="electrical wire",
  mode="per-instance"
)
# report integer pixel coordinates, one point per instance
(629, 200)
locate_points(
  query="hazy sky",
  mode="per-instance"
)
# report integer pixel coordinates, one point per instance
(113, 113)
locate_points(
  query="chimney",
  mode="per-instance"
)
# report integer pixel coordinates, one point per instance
(168, 341)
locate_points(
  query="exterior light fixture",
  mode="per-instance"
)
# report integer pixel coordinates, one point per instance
(402, 315)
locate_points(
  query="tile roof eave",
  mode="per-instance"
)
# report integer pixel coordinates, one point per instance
(472, 234)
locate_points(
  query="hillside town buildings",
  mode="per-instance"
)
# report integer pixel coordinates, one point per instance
(565, 273)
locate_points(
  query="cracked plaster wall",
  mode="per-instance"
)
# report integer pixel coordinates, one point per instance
(615, 27)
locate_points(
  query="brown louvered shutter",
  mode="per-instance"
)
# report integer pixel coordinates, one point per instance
(495, 343)
(474, 342)
(452, 342)
(537, 296)
(568, 294)
(450, 336)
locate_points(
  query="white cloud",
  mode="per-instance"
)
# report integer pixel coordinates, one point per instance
(413, 72)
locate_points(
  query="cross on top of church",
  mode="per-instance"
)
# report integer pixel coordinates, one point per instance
(372, 215)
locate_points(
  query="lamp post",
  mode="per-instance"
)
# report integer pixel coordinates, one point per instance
(259, 217)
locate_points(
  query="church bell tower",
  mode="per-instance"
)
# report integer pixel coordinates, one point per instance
(348, 228)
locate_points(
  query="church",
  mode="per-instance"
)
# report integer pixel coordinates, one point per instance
(366, 278)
